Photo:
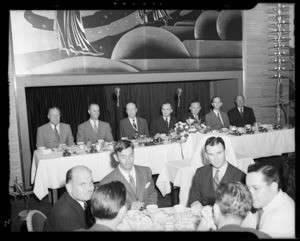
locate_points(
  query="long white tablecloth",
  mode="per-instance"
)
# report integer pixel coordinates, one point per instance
(181, 172)
(49, 170)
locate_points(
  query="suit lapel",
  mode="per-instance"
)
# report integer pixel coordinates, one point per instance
(121, 178)
(227, 174)
(140, 184)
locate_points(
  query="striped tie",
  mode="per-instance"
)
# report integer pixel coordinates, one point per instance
(131, 182)
(134, 126)
(216, 179)
(56, 132)
(95, 127)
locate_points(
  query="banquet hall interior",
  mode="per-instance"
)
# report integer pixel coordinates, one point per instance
(148, 57)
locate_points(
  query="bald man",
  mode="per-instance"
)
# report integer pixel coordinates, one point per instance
(133, 125)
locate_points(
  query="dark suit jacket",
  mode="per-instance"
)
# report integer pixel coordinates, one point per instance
(126, 128)
(96, 228)
(190, 115)
(86, 132)
(235, 118)
(159, 125)
(237, 228)
(144, 184)
(66, 215)
(202, 188)
(46, 137)
(214, 122)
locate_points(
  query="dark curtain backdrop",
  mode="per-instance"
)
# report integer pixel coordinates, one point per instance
(73, 102)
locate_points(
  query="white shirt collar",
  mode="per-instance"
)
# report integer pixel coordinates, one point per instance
(125, 174)
(222, 170)
(92, 123)
(131, 119)
(53, 126)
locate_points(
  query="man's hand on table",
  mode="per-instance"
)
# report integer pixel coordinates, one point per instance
(137, 205)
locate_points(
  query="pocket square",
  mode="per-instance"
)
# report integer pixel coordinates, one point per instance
(147, 185)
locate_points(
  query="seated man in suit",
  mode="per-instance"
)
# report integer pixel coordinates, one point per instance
(208, 177)
(53, 133)
(140, 190)
(70, 213)
(233, 202)
(94, 129)
(241, 115)
(133, 125)
(194, 113)
(108, 206)
(216, 119)
(165, 122)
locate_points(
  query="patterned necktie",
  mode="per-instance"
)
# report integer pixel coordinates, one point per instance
(134, 126)
(85, 205)
(196, 117)
(131, 182)
(216, 179)
(241, 112)
(95, 127)
(56, 132)
(258, 217)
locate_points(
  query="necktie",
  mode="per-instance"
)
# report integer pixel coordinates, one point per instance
(85, 205)
(131, 183)
(95, 127)
(258, 217)
(167, 122)
(134, 126)
(216, 179)
(196, 117)
(56, 132)
(241, 112)
(219, 117)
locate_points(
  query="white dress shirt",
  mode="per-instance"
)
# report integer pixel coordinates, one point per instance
(53, 127)
(92, 123)
(135, 121)
(216, 112)
(222, 171)
(125, 174)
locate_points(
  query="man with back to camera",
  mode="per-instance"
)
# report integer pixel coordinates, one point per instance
(275, 213)
(194, 113)
(53, 133)
(233, 202)
(208, 177)
(140, 190)
(241, 115)
(69, 212)
(165, 122)
(216, 119)
(133, 124)
(108, 206)
(94, 129)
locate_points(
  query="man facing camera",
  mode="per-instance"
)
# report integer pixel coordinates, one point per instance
(233, 202)
(241, 115)
(133, 125)
(140, 190)
(70, 212)
(108, 206)
(165, 122)
(54, 133)
(94, 129)
(194, 113)
(208, 177)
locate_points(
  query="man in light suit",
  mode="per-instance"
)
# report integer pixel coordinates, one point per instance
(216, 119)
(165, 122)
(69, 213)
(53, 133)
(133, 125)
(94, 129)
(140, 190)
(194, 113)
(108, 206)
(208, 177)
(241, 115)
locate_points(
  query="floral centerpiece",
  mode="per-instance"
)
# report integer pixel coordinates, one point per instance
(182, 130)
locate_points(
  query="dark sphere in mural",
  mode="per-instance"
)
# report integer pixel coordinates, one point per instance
(205, 26)
(229, 25)
(149, 43)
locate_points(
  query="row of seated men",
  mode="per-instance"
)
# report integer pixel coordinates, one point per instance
(53, 133)
(252, 202)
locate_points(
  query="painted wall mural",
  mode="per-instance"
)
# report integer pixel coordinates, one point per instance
(125, 41)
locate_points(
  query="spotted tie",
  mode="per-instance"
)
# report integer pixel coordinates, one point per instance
(216, 179)
(134, 126)
(131, 183)
(241, 112)
(95, 127)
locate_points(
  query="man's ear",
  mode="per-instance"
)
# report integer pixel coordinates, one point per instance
(122, 212)
(69, 188)
(116, 157)
(274, 187)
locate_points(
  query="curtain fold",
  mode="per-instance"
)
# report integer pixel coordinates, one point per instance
(73, 102)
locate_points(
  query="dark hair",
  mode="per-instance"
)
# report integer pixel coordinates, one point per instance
(213, 141)
(69, 175)
(212, 99)
(108, 199)
(89, 106)
(239, 95)
(234, 198)
(269, 172)
(122, 145)
(195, 101)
